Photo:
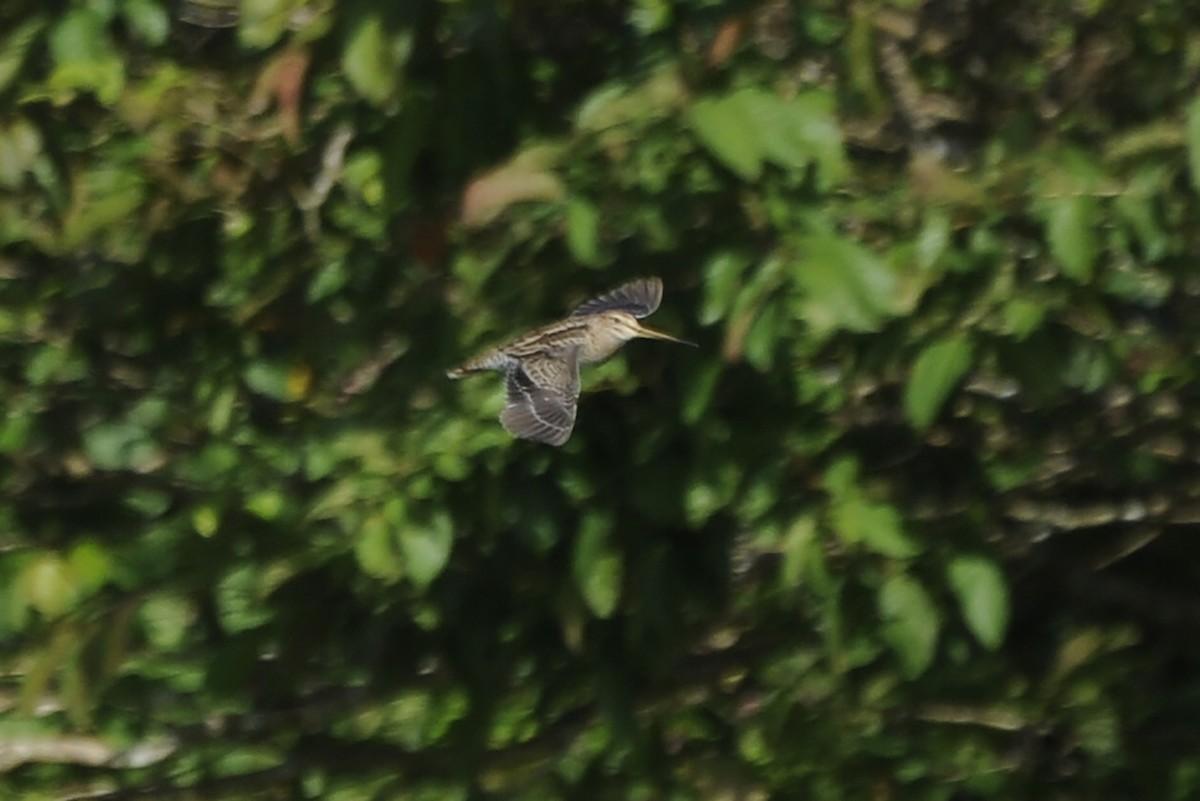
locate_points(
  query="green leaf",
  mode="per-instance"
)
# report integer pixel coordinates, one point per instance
(103, 197)
(1070, 232)
(90, 563)
(20, 146)
(722, 280)
(932, 240)
(803, 556)
(268, 378)
(650, 16)
(166, 620)
(794, 133)
(1021, 317)
(858, 520)
(614, 106)
(771, 126)
(426, 548)
(724, 129)
(48, 584)
(982, 596)
(1192, 137)
(597, 567)
(841, 478)
(845, 285)
(117, 445)
(84, 56)
(936, 372)
(239, 598)
(583, 231)
(149, 19)
(701, 382)
(374, 58)
(815, 123)
(375, 550)
(765, 334)
(262, 22)
(878, 526)
(1139, 207)
(206, 520)
(15, 45)
(911, 623)
(266, 504)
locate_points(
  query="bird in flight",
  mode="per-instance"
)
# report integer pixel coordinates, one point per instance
(541, 368)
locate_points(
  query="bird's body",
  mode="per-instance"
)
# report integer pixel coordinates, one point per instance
(542, 367)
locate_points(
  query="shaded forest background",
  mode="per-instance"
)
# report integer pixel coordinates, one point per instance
(917, 520)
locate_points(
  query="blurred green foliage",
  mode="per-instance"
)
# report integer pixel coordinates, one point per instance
(915, 521)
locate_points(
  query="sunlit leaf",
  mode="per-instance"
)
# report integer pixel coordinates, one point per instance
(102, 197)
(1138, 206)
(149, 19)
(803, 556)
(91, 564)
(14, 45)
(374, 57)
(266, 504)
(845, 285)
(116, 445)
(764, 335)
(583, 231)
(597, 567)
(426, 548)
(48, 584)
(936, 371)
(932, 240)
(376, 551)
(205, 520)
(814, 116)
(877, 526)
(84, 56)
(1022, 317)
(771, 126)
(858, 520)
(722, 278)
(1192, 134)
(982, 596)
(911, 623)
(616, 105)
(262, 22)
(20, 145)
(1071, 234)
(269, 378)
(166, 618)
(796, 132)
(238, 597)
(725, 130)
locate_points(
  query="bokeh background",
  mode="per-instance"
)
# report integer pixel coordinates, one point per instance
(916, 521)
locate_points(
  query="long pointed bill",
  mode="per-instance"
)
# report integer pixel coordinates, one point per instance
(650, 333)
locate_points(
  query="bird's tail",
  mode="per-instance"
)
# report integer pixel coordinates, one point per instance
(492, 360)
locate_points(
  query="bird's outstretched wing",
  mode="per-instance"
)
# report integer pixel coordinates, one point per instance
(639, 298)
(543, 391)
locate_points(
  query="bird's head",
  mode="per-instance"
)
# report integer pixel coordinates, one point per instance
(624, 326)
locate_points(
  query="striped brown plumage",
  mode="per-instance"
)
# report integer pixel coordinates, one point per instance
(541, 368)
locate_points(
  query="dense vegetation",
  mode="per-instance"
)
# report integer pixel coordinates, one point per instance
(917, 519)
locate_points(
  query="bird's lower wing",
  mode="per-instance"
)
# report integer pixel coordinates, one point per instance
(543, 393)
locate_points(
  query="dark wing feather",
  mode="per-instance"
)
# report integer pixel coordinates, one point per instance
(543, 391)
(639, 298)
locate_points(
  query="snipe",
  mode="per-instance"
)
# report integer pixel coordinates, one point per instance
(541, 368)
